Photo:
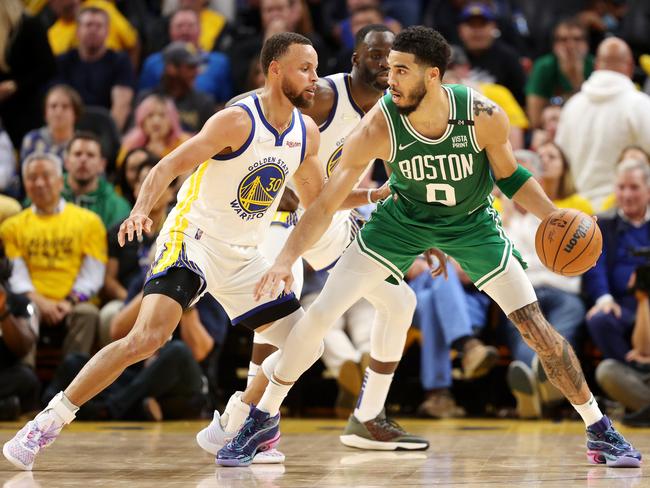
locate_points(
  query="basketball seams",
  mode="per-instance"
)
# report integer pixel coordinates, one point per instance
(559, 248)
(543, 241)
(583, 250)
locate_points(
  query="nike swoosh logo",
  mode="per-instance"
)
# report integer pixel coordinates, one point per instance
(404, 146)
(262, 139)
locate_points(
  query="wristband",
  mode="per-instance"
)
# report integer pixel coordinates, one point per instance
(75, 297)
(511, 185)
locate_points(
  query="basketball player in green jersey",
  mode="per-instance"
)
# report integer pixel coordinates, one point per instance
(443, 143)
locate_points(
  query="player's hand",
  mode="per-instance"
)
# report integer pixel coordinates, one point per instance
(440, 267)
(381, 193)
(609, 306)
(134, 224)
(270, 283)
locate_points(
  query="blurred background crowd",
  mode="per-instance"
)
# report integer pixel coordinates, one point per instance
(93, 93)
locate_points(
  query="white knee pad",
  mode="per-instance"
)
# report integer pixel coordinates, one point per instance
(395, 307)
(512, 289)
(277, 333)
(268, 365)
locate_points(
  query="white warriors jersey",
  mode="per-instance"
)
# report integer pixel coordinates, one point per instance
(232, 197)
(342, 119)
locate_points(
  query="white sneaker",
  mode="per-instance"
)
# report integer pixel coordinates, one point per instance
(21, 451)
(38, 434)
(213, 438)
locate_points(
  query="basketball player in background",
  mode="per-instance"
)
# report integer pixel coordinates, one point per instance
(441, 143)
(341, 101)
(244, 154)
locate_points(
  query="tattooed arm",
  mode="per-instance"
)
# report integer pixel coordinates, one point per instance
(555, 353)
(492, 130)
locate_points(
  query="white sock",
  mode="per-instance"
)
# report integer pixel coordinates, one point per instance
(589, 411)
(273, 397)
(235, 413)
(372, 396)
(252, 371)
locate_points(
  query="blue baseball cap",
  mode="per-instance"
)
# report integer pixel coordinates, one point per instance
(479, 10)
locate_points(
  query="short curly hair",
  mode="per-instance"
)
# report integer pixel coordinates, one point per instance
(426, 44)
(277, 46)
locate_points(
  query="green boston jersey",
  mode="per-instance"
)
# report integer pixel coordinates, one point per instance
(439, 177)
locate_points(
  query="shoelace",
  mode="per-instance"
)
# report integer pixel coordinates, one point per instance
(242, 437)
(40, 438)
(391, 424)
(614, 437)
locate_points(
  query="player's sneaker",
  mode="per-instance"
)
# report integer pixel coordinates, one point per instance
(260, 432)
(381, 434)
(213, 438)
(37, 434)
(606, 446)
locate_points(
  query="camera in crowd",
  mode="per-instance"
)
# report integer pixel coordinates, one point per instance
(642, 281)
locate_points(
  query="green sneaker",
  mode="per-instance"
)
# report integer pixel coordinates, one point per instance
(380, 434)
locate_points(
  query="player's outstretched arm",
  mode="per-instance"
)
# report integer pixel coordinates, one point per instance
(492, 129)
(227, 129)
(369, 140)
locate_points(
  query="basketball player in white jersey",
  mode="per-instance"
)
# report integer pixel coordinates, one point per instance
(341, 101)
(243, 157)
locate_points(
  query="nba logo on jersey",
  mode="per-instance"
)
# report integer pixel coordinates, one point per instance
(258, 190)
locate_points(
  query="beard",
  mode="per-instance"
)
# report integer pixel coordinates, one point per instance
(369, 77)
(413, 100)
(297, 98)
(83, 182)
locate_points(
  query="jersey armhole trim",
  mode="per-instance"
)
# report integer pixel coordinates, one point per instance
(391, 129)
(225, 157)
(303, 148)
(470, 115)
(330, 116)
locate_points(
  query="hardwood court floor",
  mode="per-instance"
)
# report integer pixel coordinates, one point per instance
(468, 453)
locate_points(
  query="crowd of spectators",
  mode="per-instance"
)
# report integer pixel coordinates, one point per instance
(94, 92)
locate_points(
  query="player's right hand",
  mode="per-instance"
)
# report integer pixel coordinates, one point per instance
(133, 225)
(271, 281)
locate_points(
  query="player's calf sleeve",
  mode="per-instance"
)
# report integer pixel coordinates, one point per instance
(304, 345)
(395, 306)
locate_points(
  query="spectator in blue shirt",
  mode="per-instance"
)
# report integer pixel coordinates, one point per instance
(626, 228)
(214, 72)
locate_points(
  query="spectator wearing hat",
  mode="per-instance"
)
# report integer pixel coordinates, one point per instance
(181, 66)
(492, 60)
(213, 75)
(560, 73)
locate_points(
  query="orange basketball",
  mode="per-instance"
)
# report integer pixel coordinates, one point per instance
(568, 242)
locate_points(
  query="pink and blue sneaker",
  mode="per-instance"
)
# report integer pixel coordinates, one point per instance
(260, 432)
(606, 446)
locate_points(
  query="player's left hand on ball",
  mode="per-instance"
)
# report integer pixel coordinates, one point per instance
(270, 283)
(441, 257)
